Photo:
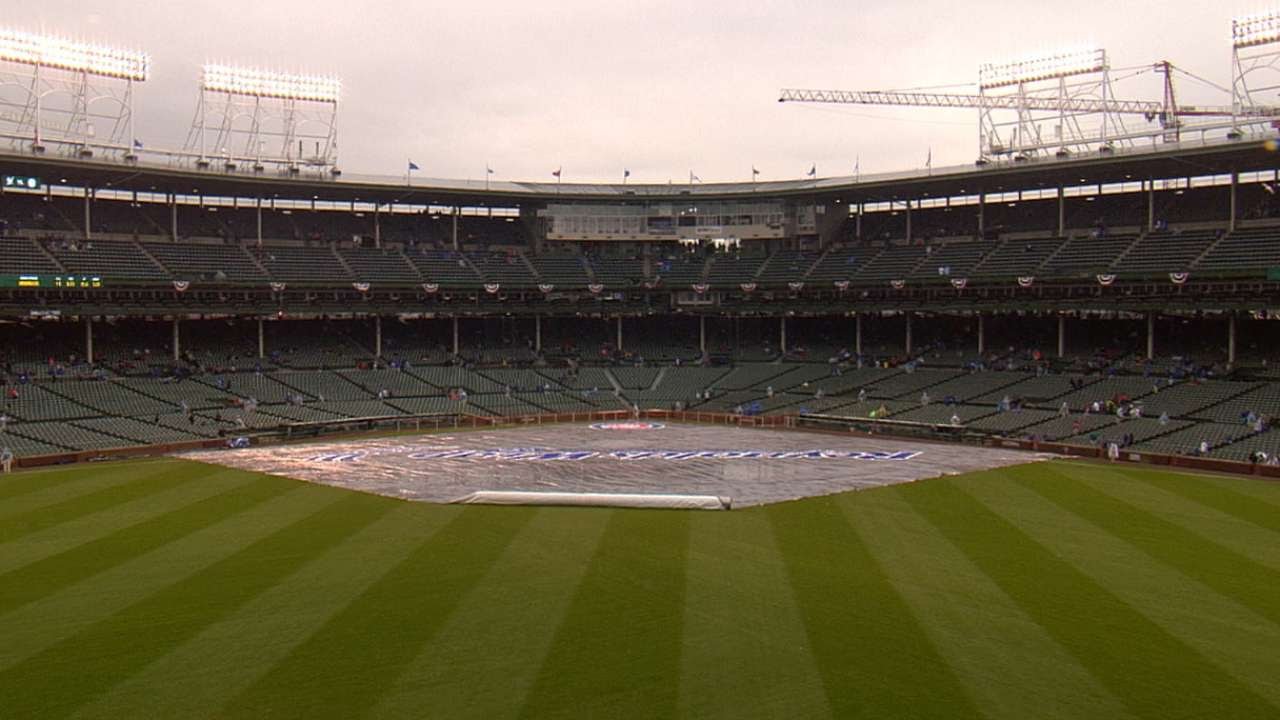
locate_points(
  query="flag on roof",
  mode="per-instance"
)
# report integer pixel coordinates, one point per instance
(754, 171)
(556, 172)
(813, 171)
(488, 169)
(413, 165)
(137, 144)
(626, 173)
(694, 178)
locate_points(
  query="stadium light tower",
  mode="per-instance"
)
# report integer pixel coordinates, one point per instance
(1059, 81)
(258, 118)
(75, 96)
(1255, 63)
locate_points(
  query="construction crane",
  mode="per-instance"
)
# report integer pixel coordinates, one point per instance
(1071, 92)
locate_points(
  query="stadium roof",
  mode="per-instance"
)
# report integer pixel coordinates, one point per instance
(1212, 158)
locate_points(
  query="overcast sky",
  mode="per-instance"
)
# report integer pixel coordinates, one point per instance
(658, 87)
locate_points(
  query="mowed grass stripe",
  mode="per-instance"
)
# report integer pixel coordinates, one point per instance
(198, 676)
(1259, 544)
(43, 577)
(1012, 667)
(482, 663)
(46, 479)
(1252, 584)
(1151, 671)
(746, 654)
(394, 618)
(18, 518)
(33, 547)
(874, 658)
(617, 650)
(119, 646)
(1220, 496)
(38, 626)
(1224, 632)
(23, 483)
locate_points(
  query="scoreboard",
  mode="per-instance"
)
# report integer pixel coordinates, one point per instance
(57, 282)
(20, 182)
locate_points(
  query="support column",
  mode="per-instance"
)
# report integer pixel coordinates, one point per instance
(702, 334)
(982, 334)
(377, 336)
(537, 333)
(1062, 336)
(619, 333)
(857, 231)
(262, 341)
(857, 334)
(377, 225)
(782, 342)
(177, 347)
(908, 333)
(1151, 205)
(455, 335)
(982, 214)
(173, 217)
(258, 218)
(1151, 336)
(1231, 340)
(1231, 221)
(455, 227)
(908, 221)
(88, 214)
(88, 340)
(1062, 213)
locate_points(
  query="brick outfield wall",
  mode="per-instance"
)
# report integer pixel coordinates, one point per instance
(767, 421)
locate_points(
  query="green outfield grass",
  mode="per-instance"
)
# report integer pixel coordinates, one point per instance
(169, 589)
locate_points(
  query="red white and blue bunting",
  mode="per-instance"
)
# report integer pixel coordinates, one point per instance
(959, 283)
(546, 287)
(700, 288)
(595, 288)
(1178, 278)
(1026, 281)
(1106, 280)
(181, 285)
(748, 287)
(897, 284)
(491, 288)
(361, 286)
(651, 284)
(431, 288)
(841, 285)
(278, 287)
(795, 286)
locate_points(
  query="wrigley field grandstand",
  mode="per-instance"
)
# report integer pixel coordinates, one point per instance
(996, 439)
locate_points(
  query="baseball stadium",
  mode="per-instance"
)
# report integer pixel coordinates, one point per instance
(981, 440)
